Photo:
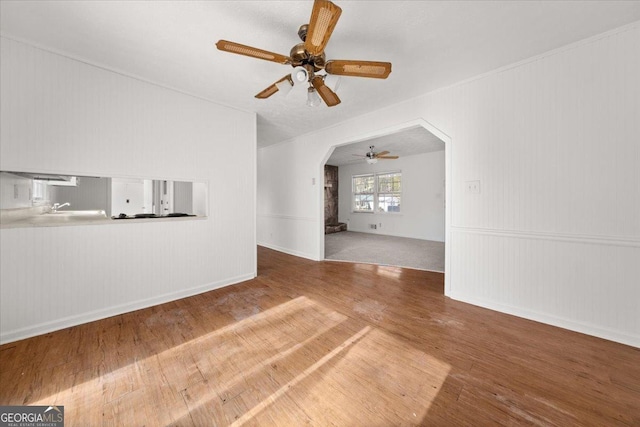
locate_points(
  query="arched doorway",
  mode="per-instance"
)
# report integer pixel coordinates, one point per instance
(419, 227)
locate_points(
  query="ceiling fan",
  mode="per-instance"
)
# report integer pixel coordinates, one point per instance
(308, 58)
(372, 157)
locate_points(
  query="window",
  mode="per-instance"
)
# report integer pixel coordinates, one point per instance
(377, 192)
(363, 193)
(389, 186)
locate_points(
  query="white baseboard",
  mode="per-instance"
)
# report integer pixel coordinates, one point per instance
(289, 251)
(55, 325)
(379, 233)
(584, 328)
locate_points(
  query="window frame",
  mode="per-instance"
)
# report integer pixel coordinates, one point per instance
(376, 194)
(355, 193)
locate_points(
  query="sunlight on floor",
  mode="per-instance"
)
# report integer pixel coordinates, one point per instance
(300, 377)
(389, 272)
(284, 325)
(375, 377)
(294, 362)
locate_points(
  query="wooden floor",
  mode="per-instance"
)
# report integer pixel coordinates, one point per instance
(324, 343)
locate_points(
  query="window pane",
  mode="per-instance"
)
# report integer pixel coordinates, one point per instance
(363, 202)
(390, 183)
(363, 184)
(377, 192)
(389, 203)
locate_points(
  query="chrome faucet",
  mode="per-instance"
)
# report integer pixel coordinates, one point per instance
(57, 206)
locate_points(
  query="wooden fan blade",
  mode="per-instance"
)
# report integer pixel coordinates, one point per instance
(273, 88)
(253, 52)
(324, 18)
(376, 70)
(387, 157)
(328, 96)
(382, 153)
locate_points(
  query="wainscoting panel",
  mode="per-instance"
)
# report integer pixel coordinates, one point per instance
(579, 284)
(553, 143)
(288, 234)
(64, 116)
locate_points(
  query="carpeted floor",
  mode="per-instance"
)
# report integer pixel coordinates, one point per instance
(384, 250)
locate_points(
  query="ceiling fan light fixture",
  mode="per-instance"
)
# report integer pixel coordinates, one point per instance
(299, 75)
(372, 160)
(333, 81)
(284, 86)
(313, 99)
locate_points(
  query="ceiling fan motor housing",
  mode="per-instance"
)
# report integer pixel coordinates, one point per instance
(300, 57)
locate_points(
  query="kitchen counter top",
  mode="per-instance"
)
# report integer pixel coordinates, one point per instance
(71, 218)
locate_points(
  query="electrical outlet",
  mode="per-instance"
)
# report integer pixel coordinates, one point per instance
(373, 226)
(472, 187)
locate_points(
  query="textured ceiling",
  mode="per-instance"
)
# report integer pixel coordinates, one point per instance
(415, 140)
(430, 43)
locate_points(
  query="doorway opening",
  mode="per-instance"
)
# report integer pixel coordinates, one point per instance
(388, 205)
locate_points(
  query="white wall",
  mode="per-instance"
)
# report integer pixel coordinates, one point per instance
(60, 115)
(15, 191)
(289, 192)
(422, 205)
(554, 234)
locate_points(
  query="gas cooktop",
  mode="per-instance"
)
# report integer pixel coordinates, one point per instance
(150, 215)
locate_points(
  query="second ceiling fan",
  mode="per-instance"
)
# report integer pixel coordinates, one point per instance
(308, 58)
(372, 157)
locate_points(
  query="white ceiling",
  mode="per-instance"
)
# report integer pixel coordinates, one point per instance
(415, 140)
(431, 44)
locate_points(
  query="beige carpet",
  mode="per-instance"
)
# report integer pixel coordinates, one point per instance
(384, 250)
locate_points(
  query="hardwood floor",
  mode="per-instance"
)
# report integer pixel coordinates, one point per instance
(324, 343)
